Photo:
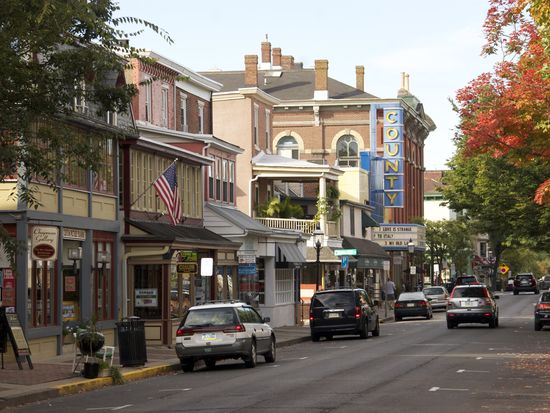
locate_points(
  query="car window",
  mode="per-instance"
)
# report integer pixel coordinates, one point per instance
(411, 296)
(210, 317)
(334, 299)
(433, 291)
(466, 280)
(253, 315)
(547, 278)
(244, 315)
(470, 293)
(524, 277)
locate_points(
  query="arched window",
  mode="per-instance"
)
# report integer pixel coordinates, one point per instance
(288, 147)
(347, 151)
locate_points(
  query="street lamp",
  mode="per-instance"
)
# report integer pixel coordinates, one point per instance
(318, 238)
(410, 247)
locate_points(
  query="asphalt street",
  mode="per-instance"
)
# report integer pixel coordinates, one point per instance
(414, 366)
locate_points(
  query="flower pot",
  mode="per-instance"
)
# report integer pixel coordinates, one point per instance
(91, 370)
(90, 343)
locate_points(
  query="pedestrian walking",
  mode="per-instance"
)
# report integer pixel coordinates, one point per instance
(389, 291)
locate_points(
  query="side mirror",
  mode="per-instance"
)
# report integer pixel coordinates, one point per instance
(266, 319)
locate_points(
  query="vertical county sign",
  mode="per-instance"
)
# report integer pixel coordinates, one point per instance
(393, 158)
(44, 243)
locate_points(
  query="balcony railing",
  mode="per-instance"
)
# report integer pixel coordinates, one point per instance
(307, 226)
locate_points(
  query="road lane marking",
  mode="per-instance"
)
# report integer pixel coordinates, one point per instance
(339, 347)
(109, 408)
(186, 389)
(472, 371)
(479, 358)
(445, 389)
(122, 407)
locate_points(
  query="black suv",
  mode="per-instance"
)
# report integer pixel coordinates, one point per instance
(525, 282)
(343, 311)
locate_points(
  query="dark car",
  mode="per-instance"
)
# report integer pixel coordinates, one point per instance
(542, 311)
(343, 311)
(544, 282)
(412, 305)
(525, 282)
(472, 304)
(466, 280)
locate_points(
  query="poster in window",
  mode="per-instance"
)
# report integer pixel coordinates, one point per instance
(146, 297)
(69, 311)
(70, 283)
(8, 288)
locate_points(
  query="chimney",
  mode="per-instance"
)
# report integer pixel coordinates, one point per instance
(251, 70)
(407, 82)
(266, 54)
(276, 57)
(360, 78)
(321, 80)
(287, 62)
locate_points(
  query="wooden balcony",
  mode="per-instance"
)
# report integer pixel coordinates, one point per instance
(306, 226)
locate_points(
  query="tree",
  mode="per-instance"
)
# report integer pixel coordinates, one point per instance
(53, 52)
(506, 114)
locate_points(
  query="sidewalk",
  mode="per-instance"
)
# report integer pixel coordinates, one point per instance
(54, 377)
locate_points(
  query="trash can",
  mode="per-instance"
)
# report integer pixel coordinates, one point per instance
(131, 342)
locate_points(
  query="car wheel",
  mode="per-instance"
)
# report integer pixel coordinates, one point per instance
(496, 321)
(210, 363)
(492, 323)
(187, 364)
(328, 336)
(536, 291)
(376, 331)
(538, 326)
(251, 360)
(397, 319)
(450, 325)
(270, 355)
(364, 331)
(515, 292)
(428, 315)
(315, 337)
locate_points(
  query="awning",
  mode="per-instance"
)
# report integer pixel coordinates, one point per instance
(368, 221)
(326, 255)
(369, 254)
(291, 252)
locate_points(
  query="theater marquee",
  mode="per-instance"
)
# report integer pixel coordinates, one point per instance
(393, 158)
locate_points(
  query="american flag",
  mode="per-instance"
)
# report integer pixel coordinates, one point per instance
(167, 188)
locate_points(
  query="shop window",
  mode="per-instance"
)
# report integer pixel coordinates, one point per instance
(42, 294)
(224, 283)
(72, 256)
(147, 289)
(103, 282)
(284, 285)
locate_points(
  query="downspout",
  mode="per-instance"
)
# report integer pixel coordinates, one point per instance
(127, 255)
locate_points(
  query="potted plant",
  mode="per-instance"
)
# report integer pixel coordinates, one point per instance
(90, 341)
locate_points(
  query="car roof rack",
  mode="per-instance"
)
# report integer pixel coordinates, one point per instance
(223, 302)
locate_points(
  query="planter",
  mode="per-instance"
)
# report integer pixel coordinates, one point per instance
(90, 343)
(91, 370)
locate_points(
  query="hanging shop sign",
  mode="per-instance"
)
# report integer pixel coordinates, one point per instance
(44, 243)
(74, 234)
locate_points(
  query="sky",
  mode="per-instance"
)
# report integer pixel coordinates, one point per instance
(437, 42)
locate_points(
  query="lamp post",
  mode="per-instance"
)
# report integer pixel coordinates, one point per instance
(410, 248)
(318, 237)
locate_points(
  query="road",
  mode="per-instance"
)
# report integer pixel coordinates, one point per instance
(414, 366)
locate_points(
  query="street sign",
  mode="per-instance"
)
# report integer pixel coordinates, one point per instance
(345, 262)
(503, 268)
(352, 251)
(413, 270)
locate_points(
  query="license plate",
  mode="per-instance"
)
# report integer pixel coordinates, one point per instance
(333, 315)
(208, 336)
(469, 304)
(410, 304)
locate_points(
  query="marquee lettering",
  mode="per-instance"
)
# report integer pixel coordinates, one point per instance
(391, 196)
(392, 164)
(391, 116)
(392, 179)
(389, 151)
(392, 133)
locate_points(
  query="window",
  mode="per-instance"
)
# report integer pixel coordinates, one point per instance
(183, 113)
(75, 174)
(347, 151)
(284, 286)
(483, 249)
(148, 100)
(218, 178)
(201, 117)
(164, 107)
(42, 293)
(288, 147)
(267, 129)
(104, 176)
(103, 282)
(111, 118)
(80, 104)
(255, 131)
(147, 287)
(231, 182)
(211, 182)
(352, 220)
(225, 179)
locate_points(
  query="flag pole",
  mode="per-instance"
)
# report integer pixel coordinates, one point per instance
(151, 184)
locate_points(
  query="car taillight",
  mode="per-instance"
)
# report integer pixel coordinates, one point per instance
(450, 304)
(357, 312)
(182, 332)
(397, 305)
(239, 328)
(543, 306)
(423, 303)
(488, 301)
(311, 316)
(533, 282)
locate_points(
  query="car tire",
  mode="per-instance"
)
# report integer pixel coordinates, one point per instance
(492, 323)
(210, 363)
(428, 316)
(315, 337)
(397, 319)
(376, 331)
(272, 353)
(187, 365)
(364, 330)
(450, 325)
(496, 321)
(328, 337)
(252, 358)
(538, 326)
(516, 292)
(536, 291)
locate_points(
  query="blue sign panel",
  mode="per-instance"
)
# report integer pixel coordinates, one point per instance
(393, 158)
(345, 262)
(247, 269)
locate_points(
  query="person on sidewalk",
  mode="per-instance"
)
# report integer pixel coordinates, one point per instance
(389, 291)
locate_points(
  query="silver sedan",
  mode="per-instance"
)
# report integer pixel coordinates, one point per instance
(437, 296)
